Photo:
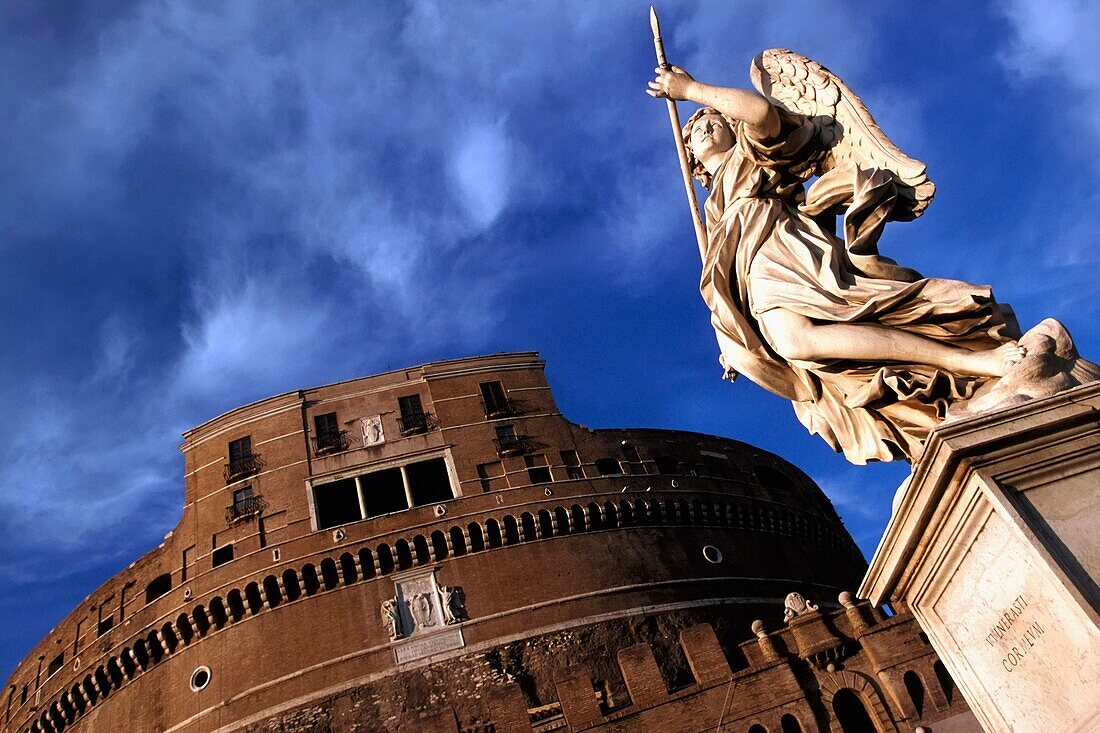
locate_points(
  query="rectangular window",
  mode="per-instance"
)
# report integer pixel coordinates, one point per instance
(23, 695)
(240, 457)
(492, 476)
(106, 623)
(537, 469)
(336, 503)
(221, 555)
(384, 492)
(410, 406)
(429, 482)
(242, 498)
(55, 664)
(327, 434)
(572, 464)
(413, 418)
(496, 403)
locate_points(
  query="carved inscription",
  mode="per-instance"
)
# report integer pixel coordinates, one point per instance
(1009, 635)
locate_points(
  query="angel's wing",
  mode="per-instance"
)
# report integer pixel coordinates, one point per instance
(848, 133)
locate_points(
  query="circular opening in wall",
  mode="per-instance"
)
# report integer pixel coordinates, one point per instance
(548, 492)
(339, 535)
(712, 554)
(200, 678)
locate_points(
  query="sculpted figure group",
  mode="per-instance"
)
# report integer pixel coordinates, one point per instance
(872, 354)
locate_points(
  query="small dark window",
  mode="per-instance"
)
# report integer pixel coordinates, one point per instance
(241, 497)
(631, 453)
(506, 434)
(327, 434)
(221, 555)
(410, 406)
(242, 461)
(158, 587)
(384, 492)
(105, 625)
(492, 476)
(55, 664)
(23, 695)
(666, 465)
(716, 467)
(429, 482)
(337, 503)
(537, 470)
(608, 466)
(496, 403)
(572, 464)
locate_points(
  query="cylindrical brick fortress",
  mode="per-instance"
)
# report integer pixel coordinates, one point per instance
(443, 517)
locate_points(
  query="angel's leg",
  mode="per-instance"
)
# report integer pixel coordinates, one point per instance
(798, 338)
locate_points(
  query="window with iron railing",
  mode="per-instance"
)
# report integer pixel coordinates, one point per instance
(327, 435)
(246, 504)
(242, 461)
(497, 403)
(508, 443)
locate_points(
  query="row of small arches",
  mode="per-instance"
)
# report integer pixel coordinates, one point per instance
(348, 568)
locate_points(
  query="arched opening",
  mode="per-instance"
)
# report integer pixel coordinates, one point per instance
(102, 681)
(253, 598)
(156, 649)
(420, 550)
(698, 513)
(493, 537)
(789, 724)
(186, 631)
(626, 512)
(946, 683)
(579, 523)
(141, 654)
(271, 591)
(477, 537)
(915, 688)
(311, 582)
(546, 523)
(90, 691)
(851, 713)
(329, 575)
(291, 585)
(202, 621)
(757, 728)
(385, 559)
(114, 672)
(667, 512)
(610, 514)
(404, 554)
(561, 520)
(439, 545)
(126, 661)
(458, 542)
(218, 616)
(511, 530)
(168, 638)
(366, 562)
(527, 524)
(235, 603)
(595, 517)
(348, 573)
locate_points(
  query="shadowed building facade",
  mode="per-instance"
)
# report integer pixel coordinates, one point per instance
(439, 549)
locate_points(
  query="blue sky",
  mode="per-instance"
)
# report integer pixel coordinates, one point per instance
(205, 204)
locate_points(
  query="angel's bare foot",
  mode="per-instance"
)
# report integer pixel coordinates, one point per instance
(994, 362)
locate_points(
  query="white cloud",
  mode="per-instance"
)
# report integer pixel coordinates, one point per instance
(482, 167)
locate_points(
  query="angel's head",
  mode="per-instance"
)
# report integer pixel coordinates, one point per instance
(708, 136)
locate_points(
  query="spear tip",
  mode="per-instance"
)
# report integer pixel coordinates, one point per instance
(653, 22)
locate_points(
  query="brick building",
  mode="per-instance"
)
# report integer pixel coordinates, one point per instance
(439, 549)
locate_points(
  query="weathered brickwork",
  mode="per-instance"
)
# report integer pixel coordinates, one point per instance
(508, 544)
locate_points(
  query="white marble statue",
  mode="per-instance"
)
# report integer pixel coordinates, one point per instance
(795, 605)
(391, 616)
(454, 604)
(872, 355)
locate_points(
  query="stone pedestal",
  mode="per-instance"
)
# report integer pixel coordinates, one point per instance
(994, 546)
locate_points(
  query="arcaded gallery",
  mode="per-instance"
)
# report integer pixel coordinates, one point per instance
(439, 549)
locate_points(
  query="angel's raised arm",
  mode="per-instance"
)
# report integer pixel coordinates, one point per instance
(752, 108)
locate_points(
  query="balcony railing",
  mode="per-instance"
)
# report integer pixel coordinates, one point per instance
(420, 422)
(500, 407)
(243, 466)
(514, 445)
(325, 443)
(244, 509)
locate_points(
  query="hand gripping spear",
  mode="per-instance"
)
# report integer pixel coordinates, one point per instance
(674, 117)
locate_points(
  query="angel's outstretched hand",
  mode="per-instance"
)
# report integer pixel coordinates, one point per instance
(671, 83)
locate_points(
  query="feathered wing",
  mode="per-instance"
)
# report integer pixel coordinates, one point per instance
(846, 130)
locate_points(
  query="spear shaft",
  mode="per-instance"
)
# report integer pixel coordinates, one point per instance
(674, 117)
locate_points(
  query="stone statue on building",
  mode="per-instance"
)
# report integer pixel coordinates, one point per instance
(873, 355)
(454, 604)
(423, 610)
(392, 617)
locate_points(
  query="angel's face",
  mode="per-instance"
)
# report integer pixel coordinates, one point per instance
(710, 136)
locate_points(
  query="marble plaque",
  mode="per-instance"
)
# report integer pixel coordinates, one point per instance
(372, 430)
(428, 645)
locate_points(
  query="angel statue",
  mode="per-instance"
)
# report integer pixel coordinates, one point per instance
(872, 354)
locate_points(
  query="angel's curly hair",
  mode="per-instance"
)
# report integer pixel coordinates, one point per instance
(698, 172)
